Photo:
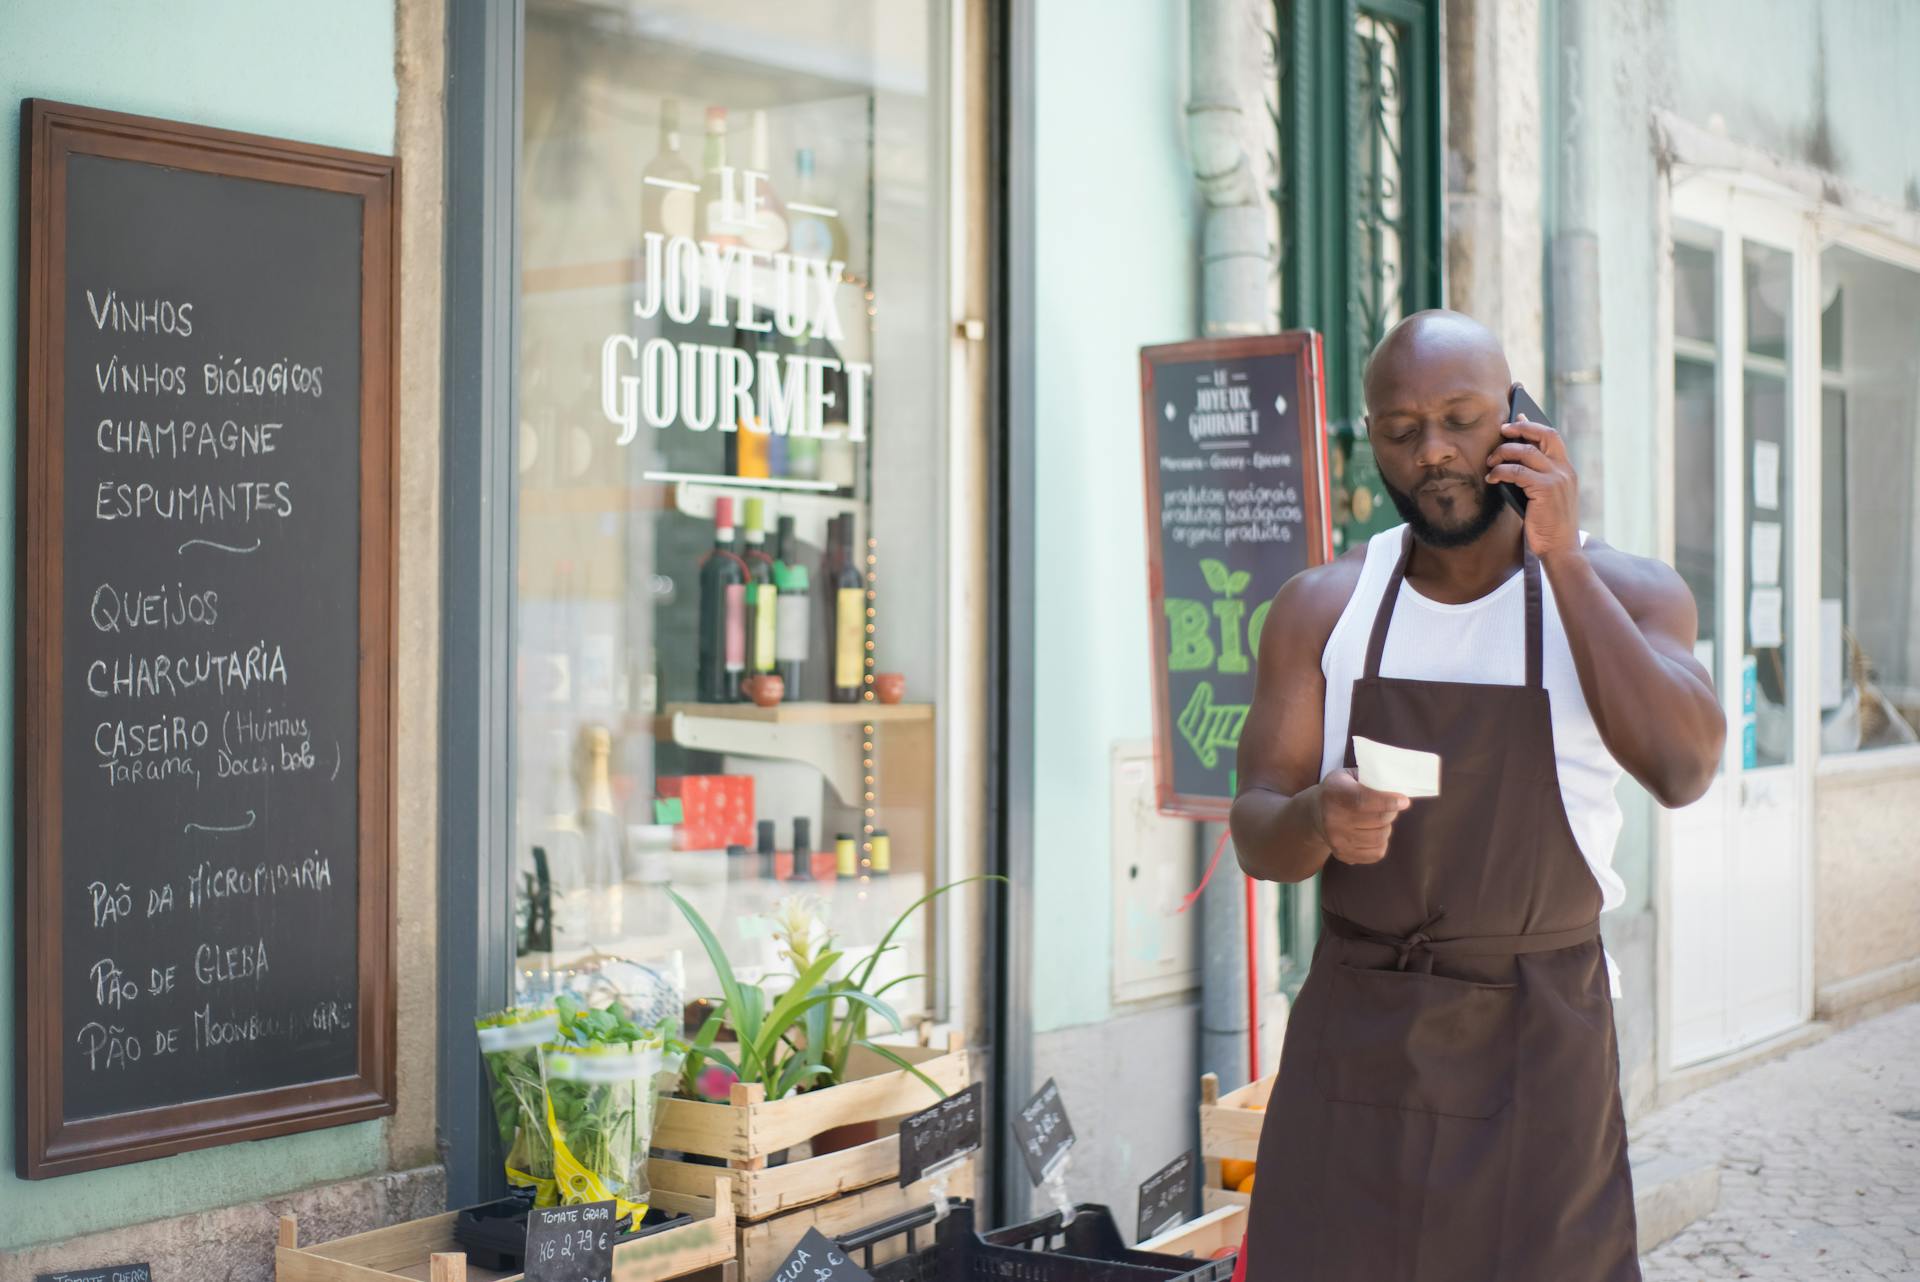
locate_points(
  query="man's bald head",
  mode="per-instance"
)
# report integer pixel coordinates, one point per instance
(1437, 392)
(1430, 349)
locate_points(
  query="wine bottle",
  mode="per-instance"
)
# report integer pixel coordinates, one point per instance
(767, 232)
(762, 619)
(793, 624)
(849, 606)
(716, 221)
(723, 610)
(668, 183)
(814, 227)
(802, 869)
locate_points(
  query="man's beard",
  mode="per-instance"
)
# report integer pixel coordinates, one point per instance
(1459, 533)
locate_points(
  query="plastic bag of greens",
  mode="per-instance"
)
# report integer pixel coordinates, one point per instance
(510, 1043)
(600, 1078)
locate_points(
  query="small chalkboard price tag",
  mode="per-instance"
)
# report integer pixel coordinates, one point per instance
(938, 1138)
(1165, 1196)
(570, 1243)
(1044, 1132)
(141, 1272)
(817, 1259)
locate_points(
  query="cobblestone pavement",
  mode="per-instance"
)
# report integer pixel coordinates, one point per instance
(1819, 1158)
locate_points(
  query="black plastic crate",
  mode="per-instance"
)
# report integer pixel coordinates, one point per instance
(494, 1234)
(1093, 1235)
(950, 1251)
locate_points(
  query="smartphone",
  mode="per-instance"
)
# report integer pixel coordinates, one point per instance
(1519, 403)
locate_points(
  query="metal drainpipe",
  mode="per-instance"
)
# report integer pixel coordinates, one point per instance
(1235, 259)
(1573, 260)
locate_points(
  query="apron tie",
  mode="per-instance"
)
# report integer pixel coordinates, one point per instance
(1426, 946)
(1404, 946)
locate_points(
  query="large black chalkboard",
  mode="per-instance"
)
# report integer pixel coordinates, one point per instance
(208, 853)
(1234, 444)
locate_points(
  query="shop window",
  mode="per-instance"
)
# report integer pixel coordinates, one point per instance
(730, 493)
(1869, 490)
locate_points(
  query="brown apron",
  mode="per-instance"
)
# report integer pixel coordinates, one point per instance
(1448, 1104)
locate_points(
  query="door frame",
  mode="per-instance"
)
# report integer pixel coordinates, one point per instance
(1741, 208)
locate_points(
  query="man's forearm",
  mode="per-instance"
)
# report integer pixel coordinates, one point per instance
(1277, 837)
(1659, 721)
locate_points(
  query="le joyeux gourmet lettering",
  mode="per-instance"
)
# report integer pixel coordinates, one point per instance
(661, 382)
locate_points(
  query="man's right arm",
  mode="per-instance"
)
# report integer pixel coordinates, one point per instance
(1286, 820)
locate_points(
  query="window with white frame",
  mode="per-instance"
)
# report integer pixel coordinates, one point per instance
(1734, 351)
(1869, 480)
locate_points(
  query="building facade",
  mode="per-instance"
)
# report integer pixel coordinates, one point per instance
(1703, 266)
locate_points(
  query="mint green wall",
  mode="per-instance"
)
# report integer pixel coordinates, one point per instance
(319, 72)
(1116, 258)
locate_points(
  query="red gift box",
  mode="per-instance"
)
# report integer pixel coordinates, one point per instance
(716, 811)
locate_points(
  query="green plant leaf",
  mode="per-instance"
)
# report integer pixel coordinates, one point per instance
(799, 1068)
(891, 982)
(1215, 573)
(787, 1009)
(864, 971)
(746, 1020)
(729, 986)
(899, 1062)
(1237, 582)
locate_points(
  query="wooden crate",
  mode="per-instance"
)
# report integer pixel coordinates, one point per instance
(1229, 1128)
(1201, 1238)
(424, 1250)
(749, 1128)
(763, 1245)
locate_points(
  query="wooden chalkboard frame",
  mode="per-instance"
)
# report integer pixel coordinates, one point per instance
(1311, 397)
(48, 1143)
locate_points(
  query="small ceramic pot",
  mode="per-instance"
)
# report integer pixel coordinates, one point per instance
(766, 689)
(889, 687)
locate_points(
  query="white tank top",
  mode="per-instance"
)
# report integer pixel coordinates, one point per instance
(1481, 641)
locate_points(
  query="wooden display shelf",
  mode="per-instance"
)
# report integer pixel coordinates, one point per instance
(764, 1245)
(749, 1129)
(827, 736)
(425, 1250)
(1229, 1128)
(1217, 1230)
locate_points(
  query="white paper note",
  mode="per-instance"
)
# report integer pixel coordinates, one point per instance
(1766, 553)
(1832, 654)
(1407, 771)
(1766, 475)
(1763, 618)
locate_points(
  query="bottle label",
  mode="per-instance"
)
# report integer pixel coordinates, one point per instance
(677, 209)
(848, 654)
(736, 627)
(765, 603)
(792, 619)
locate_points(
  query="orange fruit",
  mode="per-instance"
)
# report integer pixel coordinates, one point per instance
(1233, 1171)
(1244, 1186)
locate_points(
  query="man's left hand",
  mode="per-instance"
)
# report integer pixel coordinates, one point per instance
(1535, 458)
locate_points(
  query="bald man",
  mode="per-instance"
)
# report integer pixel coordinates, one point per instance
(1448, 1104)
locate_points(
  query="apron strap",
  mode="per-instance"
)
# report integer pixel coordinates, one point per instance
(1383, 617)
(1530, 567)
(1377, 643)
(1418, 949)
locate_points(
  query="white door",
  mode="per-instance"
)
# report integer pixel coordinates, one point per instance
(1736, 861)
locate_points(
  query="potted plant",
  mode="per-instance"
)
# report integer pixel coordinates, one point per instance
(803, 1038)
